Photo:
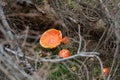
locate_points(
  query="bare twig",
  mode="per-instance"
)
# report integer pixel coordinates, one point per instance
(105, 8)
(86, 69)
(25, 37)
(115, 70)
(5, 24)
(114, 60)
(82, 54)
(80, 39)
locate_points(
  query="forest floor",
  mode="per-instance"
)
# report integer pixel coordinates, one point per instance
(93, 28)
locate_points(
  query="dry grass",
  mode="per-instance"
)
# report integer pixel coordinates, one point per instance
(93, 27)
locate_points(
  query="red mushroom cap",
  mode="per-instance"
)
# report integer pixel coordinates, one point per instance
(64, 53)
(66, 40)
(106, 71)
(51, 38)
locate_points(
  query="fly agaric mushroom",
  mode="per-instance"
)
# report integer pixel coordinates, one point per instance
(51, 38)
(64, 53)
(66, 40)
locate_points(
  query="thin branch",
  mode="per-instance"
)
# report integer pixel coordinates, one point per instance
(25, 37)
(101, 66)
(115, 70)
(85, 67)
(80, 39)
(82, 54)
(105, 8)
(5, 24)
(114, 60)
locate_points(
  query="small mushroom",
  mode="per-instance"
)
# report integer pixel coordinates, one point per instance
(64, 53)
(51, 38)
(66, 40)
(106, 71)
